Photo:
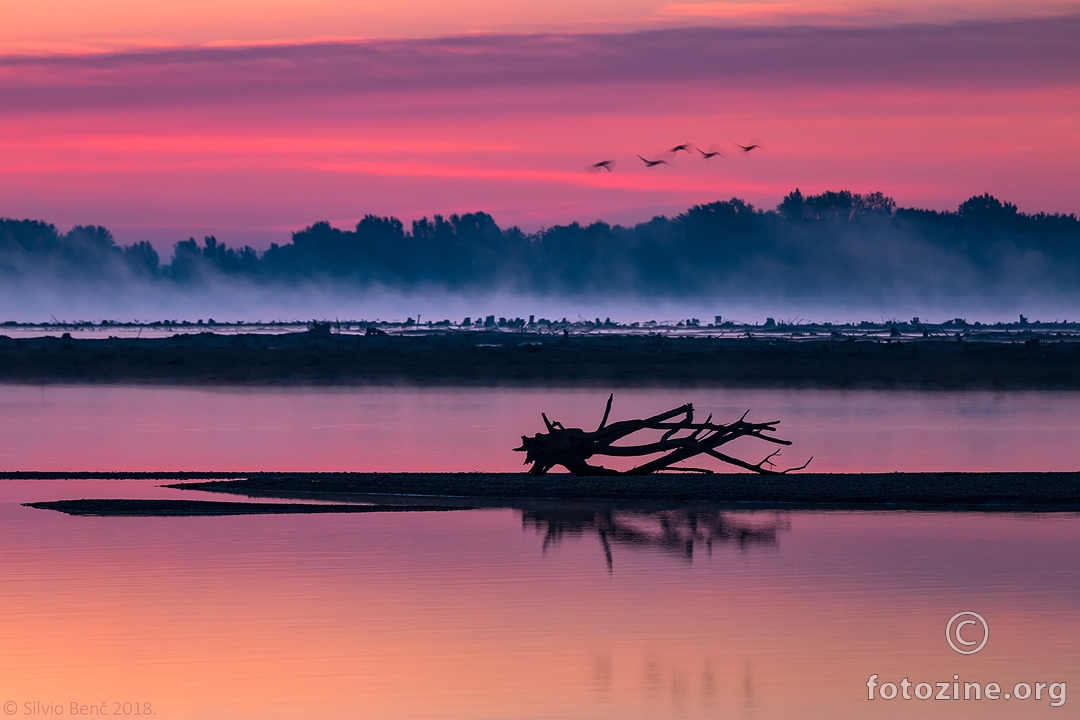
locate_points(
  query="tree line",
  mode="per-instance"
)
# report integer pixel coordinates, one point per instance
(835, 242)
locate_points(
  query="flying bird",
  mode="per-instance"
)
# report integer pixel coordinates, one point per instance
(602, 165)
(685, 147)
(652, 163)
(748, 148)
(711, 154)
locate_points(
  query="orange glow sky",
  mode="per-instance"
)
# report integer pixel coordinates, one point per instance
(66, 25)
(239, 119)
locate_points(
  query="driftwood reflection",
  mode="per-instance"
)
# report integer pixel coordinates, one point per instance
(679, 532)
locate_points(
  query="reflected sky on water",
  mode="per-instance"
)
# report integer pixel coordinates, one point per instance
(403, 428)
(468, 615)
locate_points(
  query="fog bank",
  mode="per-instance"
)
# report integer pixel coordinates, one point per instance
(833, 257)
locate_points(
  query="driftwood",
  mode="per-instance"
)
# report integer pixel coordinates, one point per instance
(573, 447)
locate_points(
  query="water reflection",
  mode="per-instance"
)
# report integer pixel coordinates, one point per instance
(675, 532)
(466, 429)
(459, 615)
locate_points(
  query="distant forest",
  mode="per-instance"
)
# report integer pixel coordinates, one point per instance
(838, 243)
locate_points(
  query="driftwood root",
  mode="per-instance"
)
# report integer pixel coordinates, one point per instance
(681, 440)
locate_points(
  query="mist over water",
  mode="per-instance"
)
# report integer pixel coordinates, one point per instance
(833, 257)
(191, 194)
(228, 301)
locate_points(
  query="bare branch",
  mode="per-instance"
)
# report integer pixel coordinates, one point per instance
(796, 469)
(607, 411)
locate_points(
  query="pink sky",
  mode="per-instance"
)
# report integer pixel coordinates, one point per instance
(190, 122)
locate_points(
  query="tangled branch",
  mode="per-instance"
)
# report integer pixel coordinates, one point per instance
(682, 439)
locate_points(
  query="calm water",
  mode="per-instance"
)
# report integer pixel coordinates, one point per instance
(462, 429)
(542, 612)
(510, 614)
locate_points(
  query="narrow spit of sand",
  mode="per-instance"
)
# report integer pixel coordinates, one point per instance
(113, 507)
(980, 491)
(984, 492)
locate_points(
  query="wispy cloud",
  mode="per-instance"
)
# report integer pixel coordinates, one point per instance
(1028, 53)
(853, 13)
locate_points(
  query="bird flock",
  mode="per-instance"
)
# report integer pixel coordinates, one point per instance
(688, 148)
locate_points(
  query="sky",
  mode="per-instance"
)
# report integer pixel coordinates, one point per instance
(249, 120)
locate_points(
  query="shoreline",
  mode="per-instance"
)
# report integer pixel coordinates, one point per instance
(945, 491)
(978, 491)
(496, 358)
(114, 507)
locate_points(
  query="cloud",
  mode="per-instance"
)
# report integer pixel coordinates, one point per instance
(1022, 54)
(853, 13)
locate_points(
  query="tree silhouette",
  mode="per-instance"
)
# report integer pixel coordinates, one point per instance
(828, 243)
